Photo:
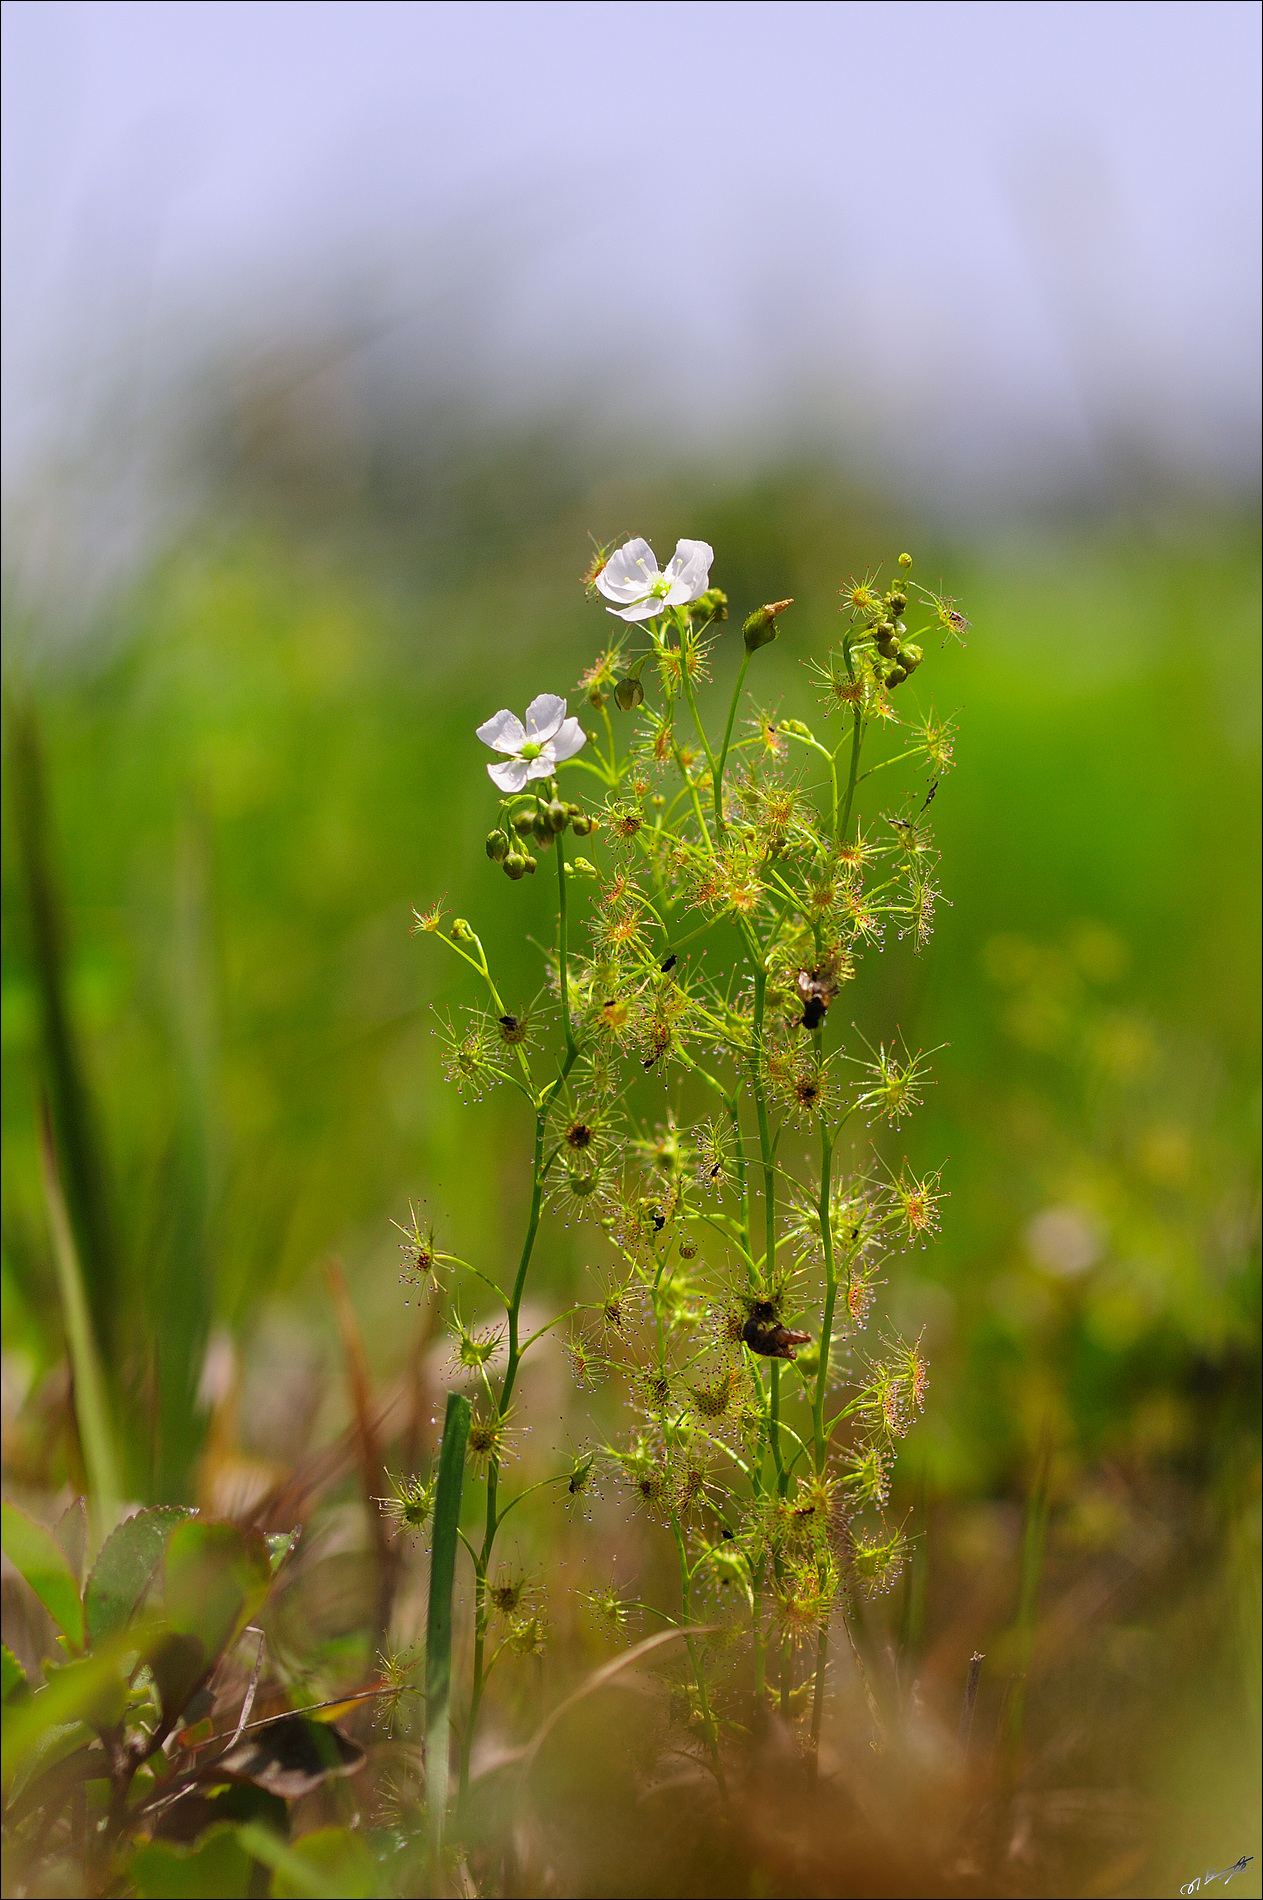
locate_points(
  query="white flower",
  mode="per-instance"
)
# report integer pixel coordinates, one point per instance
(632, 578)
(535, 749)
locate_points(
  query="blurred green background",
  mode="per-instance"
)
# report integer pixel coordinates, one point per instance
(223, 801)
(266, 756)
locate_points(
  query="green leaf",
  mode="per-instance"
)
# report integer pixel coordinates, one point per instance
(35, 1552)
(71, 1532)
(125, 1564)
(216, 1576)
(331, 1864)
(218, 1868)
(333, 1857)
(12, 1676)
(92, 1690)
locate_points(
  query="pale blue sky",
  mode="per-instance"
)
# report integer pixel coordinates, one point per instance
(962, 238)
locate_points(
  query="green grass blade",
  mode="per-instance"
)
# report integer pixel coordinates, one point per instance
(78, 1140)
(92, 1411)
(438, 1641)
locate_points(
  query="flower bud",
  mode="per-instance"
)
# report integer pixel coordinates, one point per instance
(905, 560)
(628, 694)
(796, 726)
(760, 627)
(884, 635)
(897, 600)
(523, 823)
(515, 866)
(541, 830)
(910, 657)
(497, 846)
(712, 605)
(462, 931)
(897, 675)
(582, 825)
(531, 863)
(557, 815)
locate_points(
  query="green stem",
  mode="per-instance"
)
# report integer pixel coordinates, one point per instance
(438, 1644)
(768, 1161)
(686, 1617)
(562, 969)
(817, 1698)
(820, 1440)
(856, 742)
(698, 727)
(718, 770)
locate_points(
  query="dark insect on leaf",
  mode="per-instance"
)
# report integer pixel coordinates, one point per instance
(668, 963)
(763, 1333)
(291, 1756)
(817, 989)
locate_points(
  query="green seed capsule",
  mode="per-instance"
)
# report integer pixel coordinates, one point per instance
(531, 864)
(911, 657)
(515, 866)
(759, 628)
(497, 846)
(523, 823)
(582, 826)
(558, 816)
(628, 694)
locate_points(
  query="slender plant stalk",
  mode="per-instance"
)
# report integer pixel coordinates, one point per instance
(92, 1411)
(438, 1640)
(857, 740)
(721, 761)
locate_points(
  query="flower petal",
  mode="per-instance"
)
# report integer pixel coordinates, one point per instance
(503, 732)
(629, 572)
(564, 744)
(510, 776)
(542, 767)
(641, 609)
(543, 716)
(689, 571)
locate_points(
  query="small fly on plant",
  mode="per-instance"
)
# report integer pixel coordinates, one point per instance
(763, 1333)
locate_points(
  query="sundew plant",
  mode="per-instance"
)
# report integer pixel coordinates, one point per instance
(687, 1075)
